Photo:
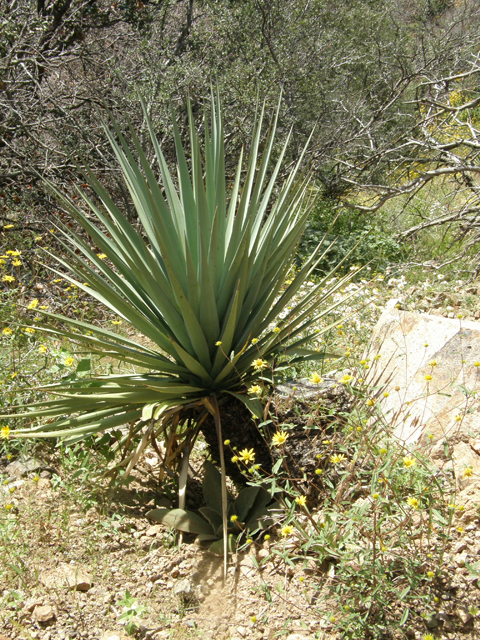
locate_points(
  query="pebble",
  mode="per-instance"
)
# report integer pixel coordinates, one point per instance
(44, 613)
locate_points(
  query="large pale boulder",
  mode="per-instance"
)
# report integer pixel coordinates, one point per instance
(440, 408)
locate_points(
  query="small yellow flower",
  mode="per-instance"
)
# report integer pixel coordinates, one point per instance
(226, 443)
(17, 263)
(337, 458)
(346, 378)
(8, 279)
(430, 436)
(315, 378)
(460, 315)
(36, 478)
(468, 472)
(279, 438)
(218, 343)
(5, 432)
(68, 361)
(255, 390)
(8, 226)
(451, 505)
(43, 306)
(7, 331)
(286, 530)
(433, 363)
(256, 467)
(8, 506)
(38, 238)
(408, 461)
(476, 364)
(429, 636)
(276, 330)
(460, 529)
(30, 330)
(426, 344)
(102, 256)
(430, 574)
(247, 455)
(42, 349)
(259, 364)
(412, 502)
(383, 451)
(233, 518)
(458, 418)
(332, 619)
(255, 340)
(301, 579)
(253, 618)
(249, 541)
(301, 500)
(386, 394)
(370, 403)
(12, 489)
(235, 459)
(376, 496)
(116, 322)
(14, 375)
(267, 536)
(318, 472)
(428, 377)
(33, 304)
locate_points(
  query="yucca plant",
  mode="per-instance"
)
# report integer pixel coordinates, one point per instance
(202, 277)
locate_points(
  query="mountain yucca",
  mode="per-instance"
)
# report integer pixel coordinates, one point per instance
(202, 277)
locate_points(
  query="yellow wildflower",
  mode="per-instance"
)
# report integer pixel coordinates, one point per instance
(17, 263)
(8, 279)
(286, 530)
(226, 442)
(428, 377)
(30, 330)
(5, 432)
(7, 331)
(259, 364)
(33, 304)
(276, 330)
(255, 340)
(235, 459)
(116, 322)
(68, 361)
(337, 458)
(279, 438)
(233, 518)
(346, 378)
(315, 378)
(468, 472)
(218, 343)
(255, 390)
(412, 502)
(101, 256)
(8, 226)
(408, 461)
(42, 349)
(301, 500)
(247, 455)
(370, 403)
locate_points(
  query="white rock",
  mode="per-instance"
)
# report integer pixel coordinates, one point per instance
(400, 338)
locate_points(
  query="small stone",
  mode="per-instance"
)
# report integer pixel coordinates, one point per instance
(182, 587)
(262, 554)
(67, 576)
(153, 530)
(44, 614)
(115, 635)
(463, 615)
(460, 546)
(460, 559)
